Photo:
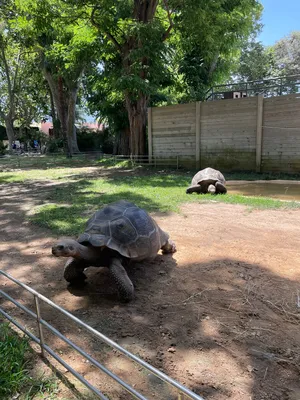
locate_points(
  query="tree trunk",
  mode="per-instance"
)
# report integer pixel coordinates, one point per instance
(137, 115)
(57, 90)
(9, 131)
(122, 143)
(61, 106)
(55, 121)
(71, 129)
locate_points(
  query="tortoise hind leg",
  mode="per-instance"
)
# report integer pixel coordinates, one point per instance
(169, 247)
(120, 277)
(73, 271)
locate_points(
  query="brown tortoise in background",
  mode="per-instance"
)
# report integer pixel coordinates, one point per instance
(117, 232)
(208, 180)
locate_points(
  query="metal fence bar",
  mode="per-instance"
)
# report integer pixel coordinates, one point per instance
(18, 161)
(38, 318)
(54, 355)
(75, 347)
(110, 342)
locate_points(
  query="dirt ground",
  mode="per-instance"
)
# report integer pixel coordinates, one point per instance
(220, 315)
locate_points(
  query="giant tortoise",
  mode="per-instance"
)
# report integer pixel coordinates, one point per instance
(208, 180)
(118, 232)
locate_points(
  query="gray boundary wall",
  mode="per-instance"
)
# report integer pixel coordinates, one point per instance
(251, 134)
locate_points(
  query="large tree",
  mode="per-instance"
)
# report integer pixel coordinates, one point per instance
(261, 63)
(23, 97)
(287, 54)
(256, 62)
(145, 35)
(66, 45)
(10, 63)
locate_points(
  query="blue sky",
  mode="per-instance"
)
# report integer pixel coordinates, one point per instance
(280, 17)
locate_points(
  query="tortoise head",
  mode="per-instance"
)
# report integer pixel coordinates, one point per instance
(211, 189)
(65, 248)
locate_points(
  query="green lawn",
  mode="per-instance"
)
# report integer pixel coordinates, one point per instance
(71, 203)
(16, 359)
(77, 194)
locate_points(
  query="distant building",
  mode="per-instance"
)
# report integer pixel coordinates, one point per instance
(93, 126)
(234, 95)
(47, 127)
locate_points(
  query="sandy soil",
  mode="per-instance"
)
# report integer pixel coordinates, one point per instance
(220, 315)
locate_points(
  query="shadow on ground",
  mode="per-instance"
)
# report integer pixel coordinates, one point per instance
(225, 329)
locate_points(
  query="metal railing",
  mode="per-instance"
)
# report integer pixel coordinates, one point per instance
(276, 86)
(59, 160)
(183, 392)
(153, 161)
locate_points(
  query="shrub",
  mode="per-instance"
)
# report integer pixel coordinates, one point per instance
(2, 148)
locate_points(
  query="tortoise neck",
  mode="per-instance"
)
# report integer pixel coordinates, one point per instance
(87, 253)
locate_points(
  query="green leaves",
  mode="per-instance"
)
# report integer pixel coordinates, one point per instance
(287, 54)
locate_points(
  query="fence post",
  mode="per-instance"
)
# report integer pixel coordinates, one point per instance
(38, 318)
(150, 148)
(259, 131)
(198, 133)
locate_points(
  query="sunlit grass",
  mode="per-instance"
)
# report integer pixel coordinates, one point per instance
(72, 204)
(84, 188)
(16, 381)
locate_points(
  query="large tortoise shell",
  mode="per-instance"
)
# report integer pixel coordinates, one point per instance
(126, 228)
(209, 175)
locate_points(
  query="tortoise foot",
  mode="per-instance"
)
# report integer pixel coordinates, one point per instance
(79, 281)
(169, 247)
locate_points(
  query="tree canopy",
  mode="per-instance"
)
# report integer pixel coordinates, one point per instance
(130, 54)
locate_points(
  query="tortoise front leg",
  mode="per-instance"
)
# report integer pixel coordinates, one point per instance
(195, 188)
(169, 247)
(119, 275)
(220, 188)
(73, 271)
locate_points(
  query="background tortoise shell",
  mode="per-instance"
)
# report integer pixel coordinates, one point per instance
(208, 175)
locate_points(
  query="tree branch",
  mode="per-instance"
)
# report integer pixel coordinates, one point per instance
(16, 73)
(6, 72)
(167, 33)
(111, 37)
(2, 115)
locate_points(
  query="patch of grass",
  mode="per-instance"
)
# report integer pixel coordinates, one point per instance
(51, 168)
(15, 359)
(13, 351)
(21, 169)
(46, 161)
(111, 163)
(71, 204)
(68, 205)
(40, 174)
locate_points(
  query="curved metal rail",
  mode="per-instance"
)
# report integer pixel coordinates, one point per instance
(182, 390)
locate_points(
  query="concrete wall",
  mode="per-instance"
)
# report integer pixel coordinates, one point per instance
(236, 134)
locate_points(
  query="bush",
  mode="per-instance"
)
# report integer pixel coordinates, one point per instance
(3, 135)
(2, 148)
(28, 135)
(55, 145)
(89, 140)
